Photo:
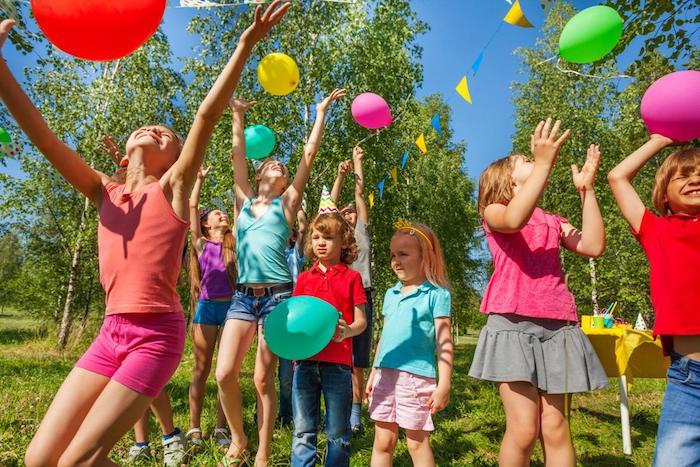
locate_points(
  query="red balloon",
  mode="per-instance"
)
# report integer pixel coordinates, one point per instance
(98, 30)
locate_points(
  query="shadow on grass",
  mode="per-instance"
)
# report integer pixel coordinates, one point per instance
(15, 336)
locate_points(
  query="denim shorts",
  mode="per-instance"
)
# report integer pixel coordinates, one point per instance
(211, 312)
(362, 344)
(678, 437)
(254, 309)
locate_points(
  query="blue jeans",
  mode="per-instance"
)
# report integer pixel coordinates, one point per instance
(254, 309)
(285, 373)
(311, 379)
(678, 438)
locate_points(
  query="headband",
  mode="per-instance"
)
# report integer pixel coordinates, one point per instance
(403, 224)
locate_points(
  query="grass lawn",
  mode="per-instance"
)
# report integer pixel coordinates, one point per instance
(468, 431)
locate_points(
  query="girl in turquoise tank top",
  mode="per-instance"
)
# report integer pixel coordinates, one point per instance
(262, 235)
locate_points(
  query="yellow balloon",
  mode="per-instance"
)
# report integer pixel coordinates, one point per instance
(278, 74)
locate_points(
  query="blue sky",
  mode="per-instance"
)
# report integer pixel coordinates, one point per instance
(458, 31)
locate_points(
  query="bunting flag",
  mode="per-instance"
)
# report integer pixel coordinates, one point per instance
(395, 175)
(219, 204)
(477, 63)
(436, 124)
(463, 90)
(404, 159)
(371, 200)
(381, 188)
(420, 142)
(516, 17)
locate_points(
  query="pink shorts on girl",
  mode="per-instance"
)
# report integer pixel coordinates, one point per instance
(139, 350)
(401, 397)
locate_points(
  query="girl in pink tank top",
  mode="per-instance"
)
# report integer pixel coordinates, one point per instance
(142, 230)
(532, 345)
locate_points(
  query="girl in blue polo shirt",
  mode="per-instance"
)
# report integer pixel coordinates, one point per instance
(402, 387)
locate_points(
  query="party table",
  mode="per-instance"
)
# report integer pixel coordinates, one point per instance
(628, 354)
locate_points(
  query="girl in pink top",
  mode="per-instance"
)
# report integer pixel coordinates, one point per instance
(531, 344)
(142, 229)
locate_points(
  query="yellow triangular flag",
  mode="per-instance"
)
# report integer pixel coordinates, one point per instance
(516, 17)
(463, 90)
(395, 175)
(420, 142)
(371, 200)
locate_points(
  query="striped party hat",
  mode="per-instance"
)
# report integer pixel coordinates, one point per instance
(327, 205)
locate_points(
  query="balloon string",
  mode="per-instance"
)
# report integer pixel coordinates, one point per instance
(557, 65)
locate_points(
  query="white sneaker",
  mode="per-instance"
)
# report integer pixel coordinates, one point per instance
(174, 451)
(139, 453)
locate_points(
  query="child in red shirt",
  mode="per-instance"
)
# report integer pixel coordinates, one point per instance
(332, 246)
(672, 245)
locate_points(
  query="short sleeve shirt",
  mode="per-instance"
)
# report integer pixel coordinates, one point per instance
(341, 287)
(364, 254)
(408, 337)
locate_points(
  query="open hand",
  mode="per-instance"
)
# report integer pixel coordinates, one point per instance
(369, 385)
(325, 103)
(544, 143)
(5, 28)
(584, 179)
(112, 148)
(202, 174)
(240, 105)
(264, 22)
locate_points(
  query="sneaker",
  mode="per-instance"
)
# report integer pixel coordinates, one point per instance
(356, 430)
(139, 453)
(174, 451)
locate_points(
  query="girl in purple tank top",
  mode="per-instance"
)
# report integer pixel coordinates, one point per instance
(531, 344)
(212, 278)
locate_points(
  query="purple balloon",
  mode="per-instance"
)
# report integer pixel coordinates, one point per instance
(671, 106)
(371, 111)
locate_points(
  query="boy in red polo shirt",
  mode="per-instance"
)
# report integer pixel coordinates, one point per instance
(671, 241)
(331, 245)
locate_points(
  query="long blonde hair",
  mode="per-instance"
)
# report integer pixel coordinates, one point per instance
(496, 183)
(433, 262)
(680, 161)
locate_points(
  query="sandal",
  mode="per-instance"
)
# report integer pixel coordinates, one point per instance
(194, 441)
(241, 458)
(223, 437)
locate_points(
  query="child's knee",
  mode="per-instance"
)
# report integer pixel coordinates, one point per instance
(35, 457)
(264, 382)
(386, 442)
(525, 435)
(555, 429)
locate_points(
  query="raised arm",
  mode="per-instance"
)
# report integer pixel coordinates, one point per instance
(343, 170)
(545, 148)
(620, 179)
(292, 197)
(242, 189)
(195, 227)
(360, 204)
(590, 240)
(76, 171)
(182, 175)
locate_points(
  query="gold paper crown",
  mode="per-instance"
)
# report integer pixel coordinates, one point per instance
(403, 224)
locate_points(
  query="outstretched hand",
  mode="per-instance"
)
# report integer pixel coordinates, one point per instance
(112, 148)
(584, 179)
(240, 105)
(344, 167)
(264, 22)
(5, 28)
(333, 96)
(544, 143)
(203, 172)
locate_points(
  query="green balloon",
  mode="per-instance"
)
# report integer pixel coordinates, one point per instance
(590, 35)
(259, 141)
(5, 136)
(300, 327)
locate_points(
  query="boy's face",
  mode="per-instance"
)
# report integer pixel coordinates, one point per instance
(683, 191)
(327, 247)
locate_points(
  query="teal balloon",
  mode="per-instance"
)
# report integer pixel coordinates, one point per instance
(5, 136)
(300, 327)
(259, 142)
(590, 35)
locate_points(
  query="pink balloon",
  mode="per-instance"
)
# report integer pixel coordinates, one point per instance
(671, 106)
(371, 111)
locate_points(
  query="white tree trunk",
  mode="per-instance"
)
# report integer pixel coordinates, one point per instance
(594, 283)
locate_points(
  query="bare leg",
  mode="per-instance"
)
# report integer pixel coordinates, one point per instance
(419, 447)
(142, 428)
(358, 385)
(556, 438)
(521, 404)
(164, 412)
(264, 377)
(204, 339)
(386, 435)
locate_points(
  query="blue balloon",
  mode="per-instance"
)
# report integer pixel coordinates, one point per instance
(259, 141)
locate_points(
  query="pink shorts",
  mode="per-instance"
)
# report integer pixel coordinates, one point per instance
(401, 397)
(139, 350)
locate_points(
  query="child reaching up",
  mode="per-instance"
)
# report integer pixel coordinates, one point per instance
(402, 387)
(141, 234)
(266, 217)
(331, 244)
(671, 241)
(531, 344)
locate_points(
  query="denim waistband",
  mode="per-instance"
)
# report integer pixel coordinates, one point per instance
(685, 363)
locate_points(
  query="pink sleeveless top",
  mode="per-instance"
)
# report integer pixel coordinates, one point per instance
(528, 279)
(140, 241)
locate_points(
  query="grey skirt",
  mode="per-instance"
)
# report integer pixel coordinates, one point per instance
(555, 357)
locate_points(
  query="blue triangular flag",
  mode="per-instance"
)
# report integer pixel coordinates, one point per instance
(381, 189)
(404, 159)
(477, 63)
(436, 124)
